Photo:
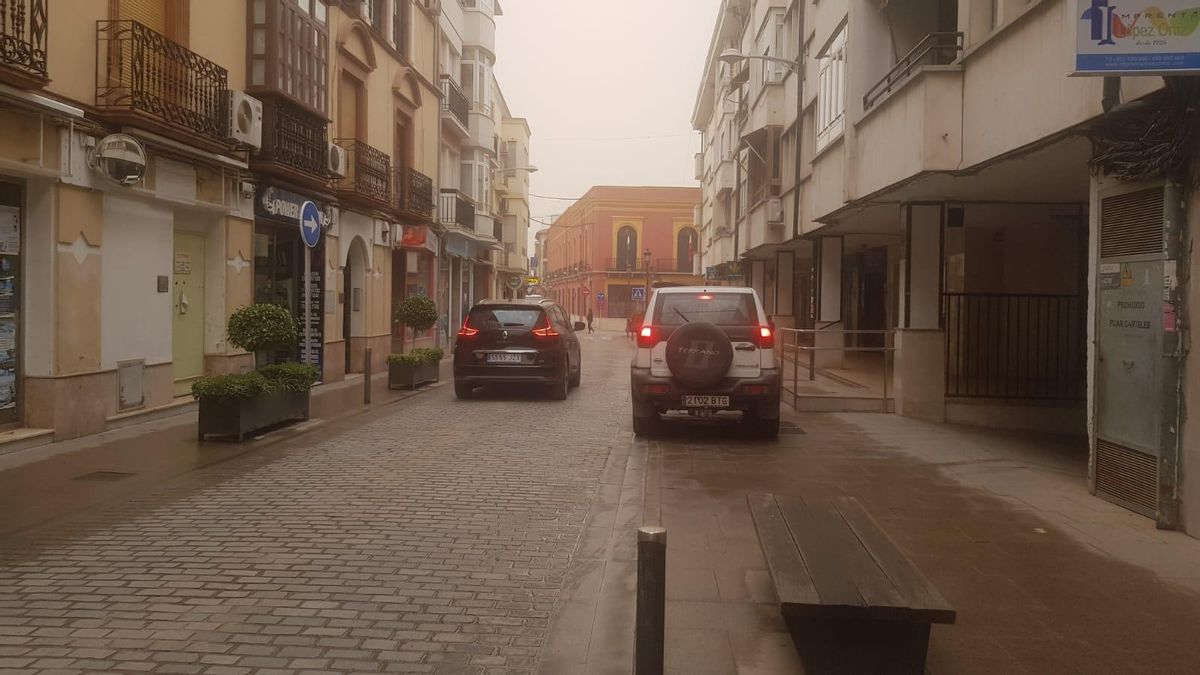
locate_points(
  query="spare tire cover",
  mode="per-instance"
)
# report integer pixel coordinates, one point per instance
(699, 354)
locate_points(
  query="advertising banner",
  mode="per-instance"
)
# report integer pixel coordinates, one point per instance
(1137, 37)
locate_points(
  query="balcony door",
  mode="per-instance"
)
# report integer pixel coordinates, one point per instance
(351, 123)
(168, 17)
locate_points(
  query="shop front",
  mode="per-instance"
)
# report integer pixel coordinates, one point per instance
(281, 257)
(414, 274)
(11, 215)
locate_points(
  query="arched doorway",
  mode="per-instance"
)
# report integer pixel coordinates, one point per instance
(354, 281)
(685, 251)
(627, 248)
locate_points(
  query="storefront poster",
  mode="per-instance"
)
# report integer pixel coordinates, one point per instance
(10, 230)
(414, 236)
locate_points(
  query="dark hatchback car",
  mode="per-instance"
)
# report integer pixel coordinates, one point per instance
(517, 342)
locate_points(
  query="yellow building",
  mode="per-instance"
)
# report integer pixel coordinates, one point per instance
(155, 156)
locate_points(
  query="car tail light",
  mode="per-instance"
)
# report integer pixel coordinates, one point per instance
(646, 336)
(766, 337)
(466, 331)
(546, 331)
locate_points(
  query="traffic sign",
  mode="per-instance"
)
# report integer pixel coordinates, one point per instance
(600, 296)
(638, 293)
(310, 224)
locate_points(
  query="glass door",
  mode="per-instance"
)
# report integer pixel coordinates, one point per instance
(10, 289)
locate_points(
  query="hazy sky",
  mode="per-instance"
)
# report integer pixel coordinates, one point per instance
(584, 70)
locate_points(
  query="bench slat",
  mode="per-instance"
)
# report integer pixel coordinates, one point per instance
(844, 574)
(925, 600)
(792, 582)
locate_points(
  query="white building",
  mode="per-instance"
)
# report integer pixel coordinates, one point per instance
(946, 195)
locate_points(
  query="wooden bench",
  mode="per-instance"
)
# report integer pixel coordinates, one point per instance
(853, 602)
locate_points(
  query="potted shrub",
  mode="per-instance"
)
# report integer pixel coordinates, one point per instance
(416, 313)
(411, 370)
(263, 329)
(241, 403)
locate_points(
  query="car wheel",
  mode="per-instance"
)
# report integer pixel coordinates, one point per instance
(559, 390)
(645, 427)
(463, 391)
(576, 377)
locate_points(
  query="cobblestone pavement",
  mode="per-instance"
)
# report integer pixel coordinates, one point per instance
(431, 537)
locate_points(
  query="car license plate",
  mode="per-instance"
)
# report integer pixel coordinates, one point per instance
(706, 401)
(504, 358)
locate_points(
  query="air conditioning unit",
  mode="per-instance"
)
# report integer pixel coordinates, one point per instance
(775, 211)
(336, 160)
(245, 119)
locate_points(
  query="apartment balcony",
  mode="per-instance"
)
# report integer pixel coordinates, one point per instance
(145, 79)
(23, 27)
(636, 264)
(676, 266)
(414, 191)
(456, 210)
(913, 126)
(456, 109)
(487, 225)
(479, 24)
(725, 176)
(368, 181)
(295, 143)
(482, 129)
(769, 108)
(936, 49)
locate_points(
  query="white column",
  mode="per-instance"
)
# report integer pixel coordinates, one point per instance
(829, 303)
(923, 266)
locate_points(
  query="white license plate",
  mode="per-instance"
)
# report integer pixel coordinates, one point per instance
(504, 358)
(706, 401)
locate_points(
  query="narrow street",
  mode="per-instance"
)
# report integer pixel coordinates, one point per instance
(496, 536)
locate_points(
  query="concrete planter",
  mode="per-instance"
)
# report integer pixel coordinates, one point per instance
(240, 416)
(412, 376)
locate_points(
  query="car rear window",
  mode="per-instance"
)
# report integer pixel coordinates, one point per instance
(722, 309)
(506, 317)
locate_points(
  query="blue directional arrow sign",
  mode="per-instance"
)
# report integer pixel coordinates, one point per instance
(310, 224)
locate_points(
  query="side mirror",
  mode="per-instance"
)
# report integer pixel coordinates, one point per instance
(579, 325)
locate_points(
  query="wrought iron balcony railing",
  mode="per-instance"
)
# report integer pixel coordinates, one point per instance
(23, 27)
(294, 137)
(415, 192)
(455, 102)
(454, 208)
(138, 69)
(631, 264)
(369, 172)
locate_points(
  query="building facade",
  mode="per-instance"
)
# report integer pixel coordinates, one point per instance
(949, 195)
(612, 244)
(156, 160)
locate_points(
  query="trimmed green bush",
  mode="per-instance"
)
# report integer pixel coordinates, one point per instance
(235, 385)
(291, 376)
(417, 313)
(263, 327)
(417, 356)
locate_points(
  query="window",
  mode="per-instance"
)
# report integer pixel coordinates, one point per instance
(722, 309)
(401, 19)
(831, 90)
(289, 50)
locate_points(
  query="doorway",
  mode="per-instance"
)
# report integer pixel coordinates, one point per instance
(187, 323)
(354, 284)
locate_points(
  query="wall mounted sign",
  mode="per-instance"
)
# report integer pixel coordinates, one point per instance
(1137, 37)
(285, 205)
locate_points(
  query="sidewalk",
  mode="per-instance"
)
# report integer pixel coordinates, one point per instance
(1045, 577)
(50, 481)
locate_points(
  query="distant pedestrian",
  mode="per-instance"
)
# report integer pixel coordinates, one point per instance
(590, 318)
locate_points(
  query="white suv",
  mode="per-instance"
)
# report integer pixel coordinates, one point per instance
(703, 350)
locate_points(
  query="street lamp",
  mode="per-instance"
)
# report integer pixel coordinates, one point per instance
(518, 169)
(733, 57)
(646, 258)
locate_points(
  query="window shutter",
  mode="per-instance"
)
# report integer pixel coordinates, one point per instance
(150, 13)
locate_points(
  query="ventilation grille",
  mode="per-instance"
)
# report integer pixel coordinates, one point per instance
(1132, 224)
(1126, 476)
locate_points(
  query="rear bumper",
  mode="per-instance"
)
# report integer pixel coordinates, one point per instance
(475, 374)
(766, 403)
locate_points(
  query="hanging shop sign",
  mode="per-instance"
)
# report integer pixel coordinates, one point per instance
(1137, 37)
(414, 236)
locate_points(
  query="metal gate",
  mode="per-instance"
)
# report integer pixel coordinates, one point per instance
(1129, 349)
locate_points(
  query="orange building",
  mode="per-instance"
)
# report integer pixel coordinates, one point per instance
(613, 243)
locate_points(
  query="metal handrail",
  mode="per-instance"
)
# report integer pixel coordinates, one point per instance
(797, 348)
(930, 44)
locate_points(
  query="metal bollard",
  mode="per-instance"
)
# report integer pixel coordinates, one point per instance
(812, 364)
(650, 625)
(367, 376)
